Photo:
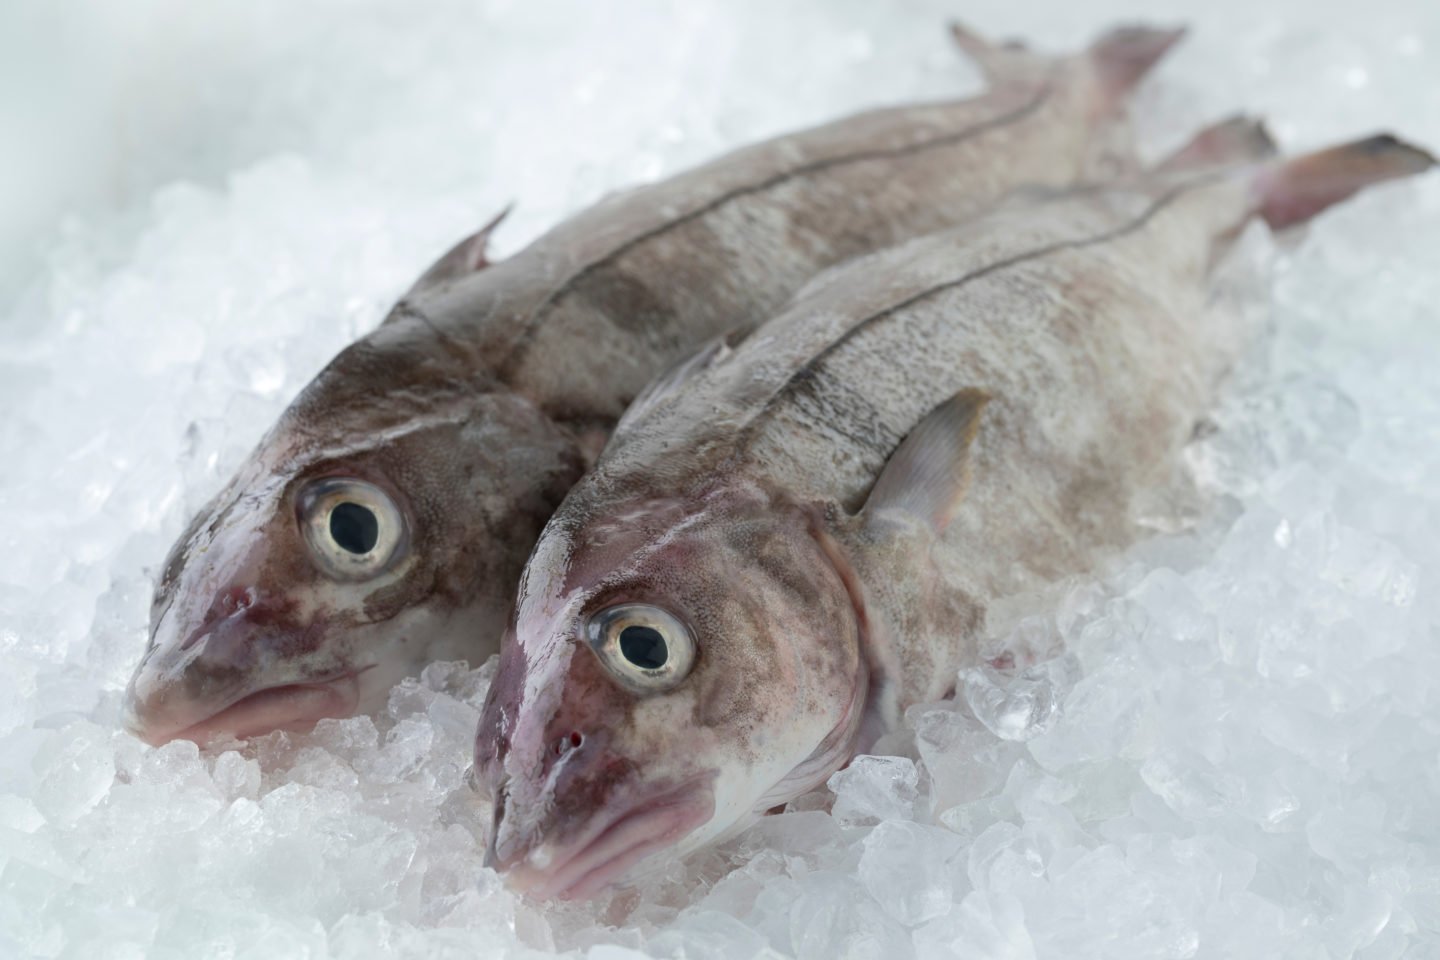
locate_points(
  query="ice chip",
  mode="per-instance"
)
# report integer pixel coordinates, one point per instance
(708, 935)
(237, 776)
(1190, 785)
(871, 789)
(1013, 708)
(983, 925)
(1107, 714)
(833, 917)
(965, 761)
(906, 868)
(1004, 859)
(75, 771)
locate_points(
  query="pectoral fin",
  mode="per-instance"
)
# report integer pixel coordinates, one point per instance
(927, 474)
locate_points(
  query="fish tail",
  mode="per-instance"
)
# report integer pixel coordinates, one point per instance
(1235, 140)
(1290, 191)
(1124, 56)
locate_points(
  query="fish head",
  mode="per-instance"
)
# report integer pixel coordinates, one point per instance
(675, 670)
(350, 551)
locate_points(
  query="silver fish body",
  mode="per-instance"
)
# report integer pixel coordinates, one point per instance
(384, 521)
(813, 524)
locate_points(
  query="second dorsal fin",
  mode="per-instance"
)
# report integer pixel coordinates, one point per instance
(1233, 141)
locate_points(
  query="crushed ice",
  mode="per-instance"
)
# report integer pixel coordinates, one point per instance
(1229, 745)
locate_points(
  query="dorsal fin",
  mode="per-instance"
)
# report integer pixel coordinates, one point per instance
(1124, 56)
(999, 62)
(1233, 141)
(927, 474)
(669, 383)
(467, 256)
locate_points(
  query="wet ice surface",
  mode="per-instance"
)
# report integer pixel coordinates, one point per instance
(1237, 755)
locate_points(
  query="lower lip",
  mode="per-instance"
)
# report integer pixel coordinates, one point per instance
(296, 706)
(644, 830)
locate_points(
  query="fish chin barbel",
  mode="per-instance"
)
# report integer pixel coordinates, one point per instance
(785, 548)
(384, 521)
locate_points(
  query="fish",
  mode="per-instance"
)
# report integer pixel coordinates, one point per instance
(777, 555)
(384, 520)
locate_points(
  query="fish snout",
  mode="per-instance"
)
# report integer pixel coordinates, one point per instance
(526, 808)
(583, 816)
(183, 678)
(236, 669)
(603, 848)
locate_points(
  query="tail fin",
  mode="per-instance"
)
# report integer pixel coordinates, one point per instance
(1289, 192)
(1124, 56)
(1233, 141)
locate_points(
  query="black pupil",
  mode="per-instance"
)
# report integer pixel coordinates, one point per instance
(644, 647)
(354, 527)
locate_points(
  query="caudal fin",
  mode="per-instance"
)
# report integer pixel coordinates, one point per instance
(1237, 140)
(1289, 192)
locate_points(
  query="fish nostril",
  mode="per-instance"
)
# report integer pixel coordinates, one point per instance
(230, 603)
(235, 600)
(573, 740)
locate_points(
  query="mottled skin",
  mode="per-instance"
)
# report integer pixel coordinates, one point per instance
(744, 502)
(489, 387)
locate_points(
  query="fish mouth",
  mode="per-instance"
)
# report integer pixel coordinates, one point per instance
(289, 706)
(607, 853)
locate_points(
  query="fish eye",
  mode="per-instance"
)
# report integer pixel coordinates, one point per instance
(353, 528)
(644, 648)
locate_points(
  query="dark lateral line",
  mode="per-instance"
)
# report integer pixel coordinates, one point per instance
(808, 372)
(531, 322)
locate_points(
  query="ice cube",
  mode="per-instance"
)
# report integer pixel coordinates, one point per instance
(1013, 708)
(906, 867)
(1107, 714)
(834, 918)
(1191, 785)
(964, 760)
(871, 789)
(75, 771)
(983, 925)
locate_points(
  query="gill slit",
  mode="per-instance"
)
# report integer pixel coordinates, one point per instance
(850, 734)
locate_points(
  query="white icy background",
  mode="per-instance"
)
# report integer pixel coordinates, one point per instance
(1243, 758)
